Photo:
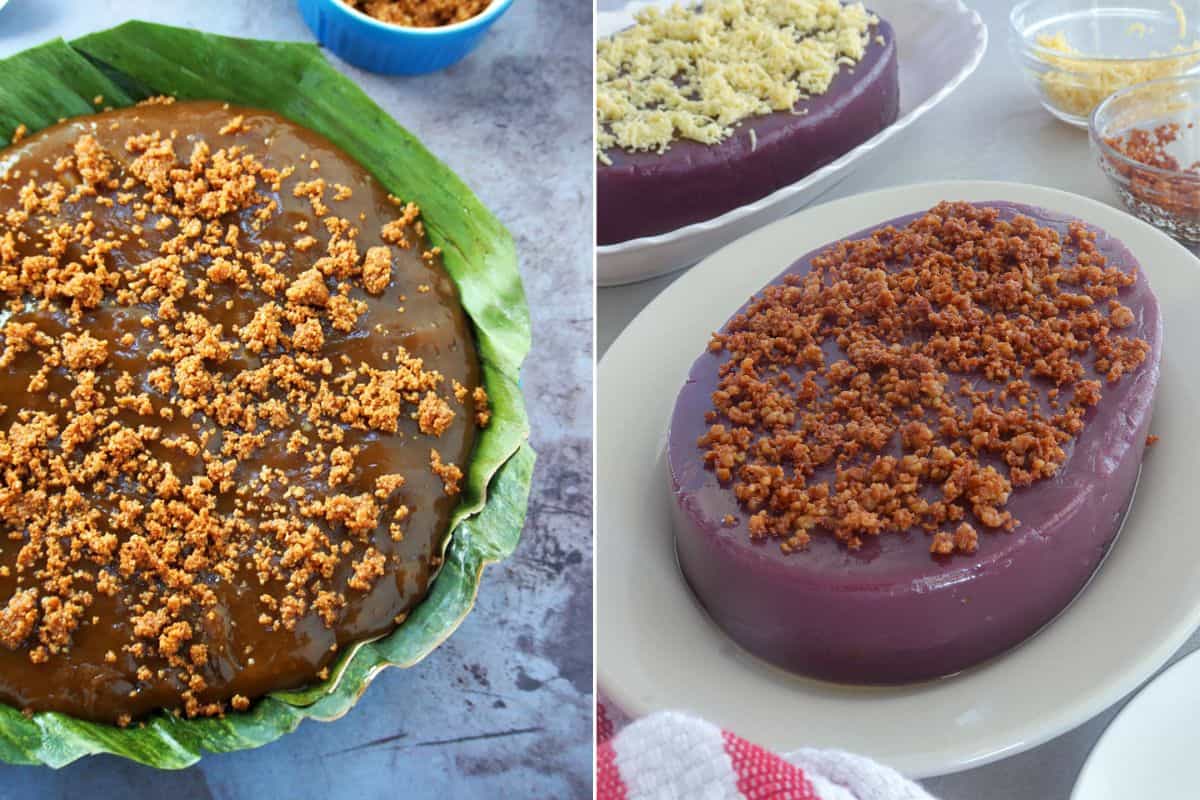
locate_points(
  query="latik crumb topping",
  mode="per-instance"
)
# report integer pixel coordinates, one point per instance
(1173, 191)
(106, 434)
(449, 473)
(420, 13)
(961, 372)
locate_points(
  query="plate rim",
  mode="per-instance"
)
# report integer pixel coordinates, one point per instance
(1056, 721)
(1189, 662)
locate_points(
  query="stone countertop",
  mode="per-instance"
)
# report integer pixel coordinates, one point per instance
(504, 707)
(991, 128)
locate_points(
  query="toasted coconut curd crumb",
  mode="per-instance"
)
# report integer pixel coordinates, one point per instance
(434, 415)
(386, 484)
(942, 544)
(84, 351)
(449, 473)
(309, 289)
(235, 125)
(314, 190)
(152, 484)
(966, 538)
(377, 269)
(420, 13)
(1165, 183)
(483, 412)
(368, 570)
(18, 618)
(395, 232)
(928, 415)
(309, 336)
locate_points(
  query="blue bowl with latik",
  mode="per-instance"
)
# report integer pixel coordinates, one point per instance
(391, 48)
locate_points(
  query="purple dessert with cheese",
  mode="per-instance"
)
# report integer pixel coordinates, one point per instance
(914, 448)
(700, 111)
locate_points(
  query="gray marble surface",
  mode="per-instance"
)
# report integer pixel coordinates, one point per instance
(504, 707)
(991, 128)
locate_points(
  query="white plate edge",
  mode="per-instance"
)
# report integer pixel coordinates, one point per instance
(1187, 663)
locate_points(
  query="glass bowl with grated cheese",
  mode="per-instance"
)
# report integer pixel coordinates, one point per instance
(1075, 53)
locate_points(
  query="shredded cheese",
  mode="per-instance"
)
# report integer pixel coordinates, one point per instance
(1077, 84)
(687, 73)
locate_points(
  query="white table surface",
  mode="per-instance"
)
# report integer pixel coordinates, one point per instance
(991, 128)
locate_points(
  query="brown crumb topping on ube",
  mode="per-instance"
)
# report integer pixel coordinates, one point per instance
(959, 373)
(208, 414)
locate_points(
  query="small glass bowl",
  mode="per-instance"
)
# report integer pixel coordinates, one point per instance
(1074, 53)
(1168, 198)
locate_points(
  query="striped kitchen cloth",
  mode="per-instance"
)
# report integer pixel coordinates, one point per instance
(670, 756)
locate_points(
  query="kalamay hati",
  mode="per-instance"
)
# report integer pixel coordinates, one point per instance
(911, 450)
(702, 110)
(237, 399)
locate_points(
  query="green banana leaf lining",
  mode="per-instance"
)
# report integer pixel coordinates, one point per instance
(40, 86)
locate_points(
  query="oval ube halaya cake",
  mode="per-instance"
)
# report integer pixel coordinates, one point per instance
(237, 395)
(913, 449)
(700, 111)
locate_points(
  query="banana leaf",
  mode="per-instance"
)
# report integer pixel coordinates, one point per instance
(136, 60)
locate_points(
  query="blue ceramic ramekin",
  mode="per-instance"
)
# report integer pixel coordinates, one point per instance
(393, 49)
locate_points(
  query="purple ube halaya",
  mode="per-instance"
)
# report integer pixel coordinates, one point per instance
(646, 193)
(890, 611)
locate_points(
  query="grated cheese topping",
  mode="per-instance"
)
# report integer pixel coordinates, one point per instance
(688, 73)
(1077, 84)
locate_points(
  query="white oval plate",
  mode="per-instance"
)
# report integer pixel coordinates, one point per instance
(1149, 747)
(939, 43)
(656, 649)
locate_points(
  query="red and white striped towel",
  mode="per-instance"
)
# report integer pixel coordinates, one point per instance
(668, 755)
